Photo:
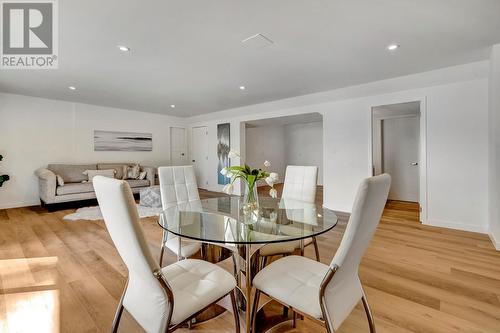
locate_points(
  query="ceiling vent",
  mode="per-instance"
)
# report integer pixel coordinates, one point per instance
(257, 41)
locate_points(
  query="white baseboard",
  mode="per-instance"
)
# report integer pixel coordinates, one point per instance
(456, 226)
(19, 204)
(496, 242)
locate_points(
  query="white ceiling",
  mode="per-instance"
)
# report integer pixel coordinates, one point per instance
(189, 52)
(286, 120)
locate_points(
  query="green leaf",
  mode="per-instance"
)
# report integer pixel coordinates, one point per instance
(236, 168)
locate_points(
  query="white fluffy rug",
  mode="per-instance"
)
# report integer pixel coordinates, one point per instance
(94, 213)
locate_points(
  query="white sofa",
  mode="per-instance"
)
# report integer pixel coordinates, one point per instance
(74, 188)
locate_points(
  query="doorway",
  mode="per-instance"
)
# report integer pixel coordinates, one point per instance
(199, 155)
(287, 140)
(396, 148)
(178, 146)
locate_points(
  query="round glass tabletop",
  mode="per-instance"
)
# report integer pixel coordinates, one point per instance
(221, 220)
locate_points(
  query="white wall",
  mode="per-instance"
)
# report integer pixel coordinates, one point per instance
(266, 143)
(456, 151)
(36, 131)
(457, 138)
(304, 145)
(282, 145)
(494, 145)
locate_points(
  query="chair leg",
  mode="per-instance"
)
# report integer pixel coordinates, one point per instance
(236, 272)
(162, 250)
(369, 316)
(316, 248)
(255, 307)
(162, 247)
(118, 313)
(263, 263)
(235, 312)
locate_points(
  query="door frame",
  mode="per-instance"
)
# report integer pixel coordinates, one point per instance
(185, 142)
(423, 197)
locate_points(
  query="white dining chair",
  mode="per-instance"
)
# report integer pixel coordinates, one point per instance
(325, 293)
(178, 188)
(159, 299)
(300, 185)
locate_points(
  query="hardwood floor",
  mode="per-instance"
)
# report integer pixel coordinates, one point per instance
(59, 276)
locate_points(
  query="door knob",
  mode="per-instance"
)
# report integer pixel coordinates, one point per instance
(414, 163)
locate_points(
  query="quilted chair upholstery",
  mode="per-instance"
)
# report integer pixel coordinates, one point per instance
(297, 281)
(300, 185)
(193, 284)
(178, 188)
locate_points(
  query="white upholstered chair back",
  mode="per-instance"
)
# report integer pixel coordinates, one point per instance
(145, 299)
(177, 185)
(344, 290)
(300, 183)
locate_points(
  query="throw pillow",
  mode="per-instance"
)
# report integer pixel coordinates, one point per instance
(143, 175)
(60, 180)
(110, 173)
(131, 172)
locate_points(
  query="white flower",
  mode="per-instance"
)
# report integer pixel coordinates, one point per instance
(267, 164)
(233, 154)
(273, 193)
(270, 181)
(228, 189)
(223, 171)
(274, 176)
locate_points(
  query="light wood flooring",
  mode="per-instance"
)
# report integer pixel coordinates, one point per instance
(59, 276)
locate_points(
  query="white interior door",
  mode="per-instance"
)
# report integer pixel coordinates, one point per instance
(400, 156)
(199, 154)
(178, 146)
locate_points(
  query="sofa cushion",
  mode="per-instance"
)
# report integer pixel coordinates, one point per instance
(137, 182)
(110, 173)
(71, 173)
(118, 167)
(73, 188)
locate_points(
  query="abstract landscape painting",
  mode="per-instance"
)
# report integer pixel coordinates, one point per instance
(223, 146)
(122, 141)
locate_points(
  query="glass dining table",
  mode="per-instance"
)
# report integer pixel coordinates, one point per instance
(224, 222)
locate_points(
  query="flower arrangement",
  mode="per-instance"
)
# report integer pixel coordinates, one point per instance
(250, 176)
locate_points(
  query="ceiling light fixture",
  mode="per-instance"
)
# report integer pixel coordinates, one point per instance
(123, 48)
(172, 106)
(72, 88)
(242, 87)
(393, 47)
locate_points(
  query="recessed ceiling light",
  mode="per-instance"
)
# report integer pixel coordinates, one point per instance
(393, 47)
(123, 48)
(72, 88)
(242, 87)
(172, 106)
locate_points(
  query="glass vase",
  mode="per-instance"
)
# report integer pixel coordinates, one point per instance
(250, 205)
